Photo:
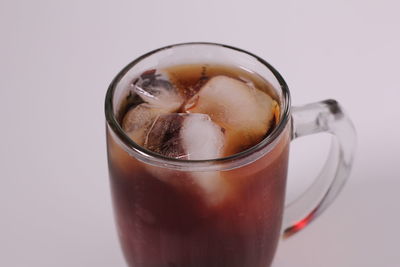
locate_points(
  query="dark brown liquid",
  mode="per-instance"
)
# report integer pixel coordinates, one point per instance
(165, 220)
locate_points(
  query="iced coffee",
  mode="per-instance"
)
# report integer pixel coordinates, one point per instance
(179, 218)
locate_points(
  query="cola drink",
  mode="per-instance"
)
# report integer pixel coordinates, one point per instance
(181, 218)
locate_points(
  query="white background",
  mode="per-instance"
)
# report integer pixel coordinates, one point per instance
(57, 59)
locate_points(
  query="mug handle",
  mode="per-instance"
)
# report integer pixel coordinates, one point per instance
(325, 116)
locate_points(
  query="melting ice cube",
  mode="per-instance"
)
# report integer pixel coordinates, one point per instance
(185, 136)
(245, 112)
(138, 121)
(160, 97)
(193, 137)
(155, 89)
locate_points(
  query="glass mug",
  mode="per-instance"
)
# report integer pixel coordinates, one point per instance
(162, 221)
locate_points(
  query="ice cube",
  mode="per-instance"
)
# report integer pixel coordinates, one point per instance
(244, 111)
(211, 187)
(214, 188)
(154, 88)
(138, 121)
(185, 136)
(193, 137)
(202, 138)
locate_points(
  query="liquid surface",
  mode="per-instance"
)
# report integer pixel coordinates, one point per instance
(241, 103)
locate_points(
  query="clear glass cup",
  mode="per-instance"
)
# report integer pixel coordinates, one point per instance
(162, 221)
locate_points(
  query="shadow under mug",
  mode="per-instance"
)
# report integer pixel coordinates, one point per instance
(163, 220)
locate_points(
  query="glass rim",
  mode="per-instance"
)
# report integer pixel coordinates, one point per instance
(156, 159)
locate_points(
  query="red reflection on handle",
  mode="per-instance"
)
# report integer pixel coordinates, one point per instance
(299, 225)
